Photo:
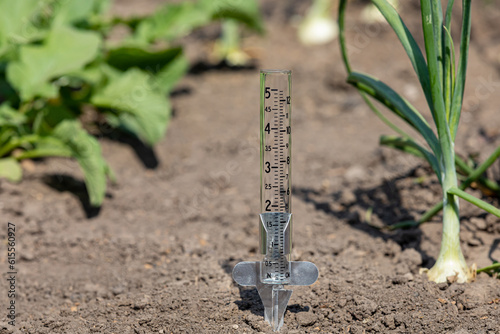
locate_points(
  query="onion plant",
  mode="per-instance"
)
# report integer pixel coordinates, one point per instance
(443, 82)
(318, 26)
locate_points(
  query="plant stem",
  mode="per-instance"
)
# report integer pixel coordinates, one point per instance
(474, 200)
(494, 266)
(450, 261)
(490, 184)
(16, 142)
(473, 176)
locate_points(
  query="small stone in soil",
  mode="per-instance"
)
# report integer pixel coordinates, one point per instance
(306, 319)
(141, 304)
(357, 330)
(399, 280)
(27, 255)
(347, 197)
(409, 276)
(479, 223)
(474, 242)
(411, 257)
(116, 290)
(355, 173)
(255, 322)
(388, 321)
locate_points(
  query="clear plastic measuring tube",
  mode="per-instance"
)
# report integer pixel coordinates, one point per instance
(275, 164)
(276, 272)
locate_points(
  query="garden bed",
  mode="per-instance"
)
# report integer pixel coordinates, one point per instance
(157, 258)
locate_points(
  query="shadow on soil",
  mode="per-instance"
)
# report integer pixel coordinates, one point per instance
(384, 203)
(144, 153)
(493, 248)
(250, 300)
(63, 182)
(249, 296)
(204, 67)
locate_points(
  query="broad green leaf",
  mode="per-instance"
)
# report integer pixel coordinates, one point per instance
(10, 116)
(72, 11)
(243, 11)
(17, 22)
(139, 106)
(50, 117)
(54, 115)
(10, 169)
(87, 151)
(177, 20)
(172, 21)
(65, 50)
(102, 6)
(15, 141)
(75, 11)
(409, 146)
(92, 74)
(409, 44)
(170, 74)
(6, 134)
(126, 57)
(462, 69)
(47, 146)
(397, 104)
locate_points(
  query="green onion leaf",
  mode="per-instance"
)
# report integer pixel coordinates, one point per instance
(397, 104)
(462, 68)
(429, 19)
(409, 44)
(474, 200)
(409, 146)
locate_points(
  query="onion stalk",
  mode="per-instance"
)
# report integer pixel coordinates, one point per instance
(318, 26)
(442, 81)
(228, 47)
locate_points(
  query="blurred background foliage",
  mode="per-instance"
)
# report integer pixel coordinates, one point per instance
(58, 61)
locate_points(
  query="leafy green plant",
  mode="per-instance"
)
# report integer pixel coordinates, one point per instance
(443, 83)
(57, 61)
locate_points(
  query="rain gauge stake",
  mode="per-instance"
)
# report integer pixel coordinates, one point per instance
(275, 271)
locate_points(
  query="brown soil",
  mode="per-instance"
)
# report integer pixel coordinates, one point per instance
(157, 257)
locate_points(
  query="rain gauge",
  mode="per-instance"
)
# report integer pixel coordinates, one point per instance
(276, 271)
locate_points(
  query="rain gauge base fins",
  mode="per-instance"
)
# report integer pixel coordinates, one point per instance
(276, 270)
